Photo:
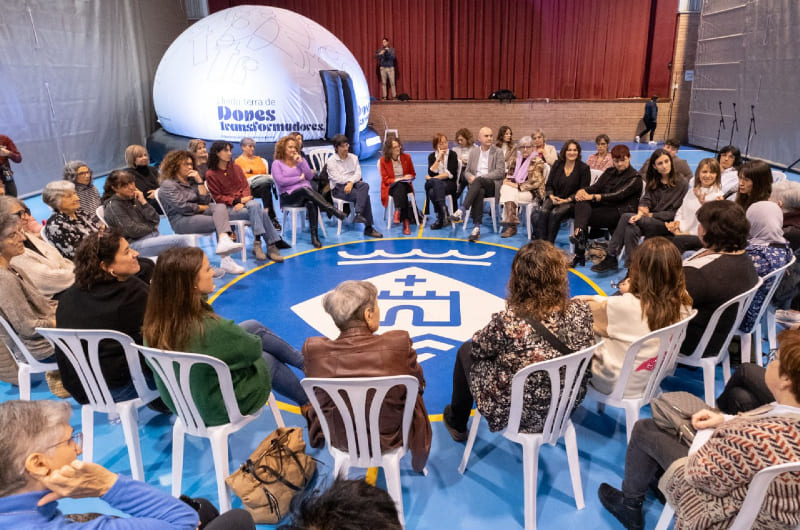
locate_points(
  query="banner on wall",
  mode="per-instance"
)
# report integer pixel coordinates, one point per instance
(252, 71)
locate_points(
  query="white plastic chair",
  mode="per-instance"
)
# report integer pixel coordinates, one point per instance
(741, 302)
(299, 213)
(339, 205)
(669, 340)
(194, 239)
(487, 201)
(556, 425)
(26, 363)
(100, 213)
(80, 347)
(319, 157)
(363, 448)
(751, 340)
(751, 506)
(173, 369)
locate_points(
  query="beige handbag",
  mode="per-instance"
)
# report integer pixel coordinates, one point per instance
(277, 470)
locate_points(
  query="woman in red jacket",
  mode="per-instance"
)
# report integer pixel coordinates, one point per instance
(397, 172)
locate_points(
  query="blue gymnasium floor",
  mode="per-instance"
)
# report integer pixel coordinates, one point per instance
(447, 288)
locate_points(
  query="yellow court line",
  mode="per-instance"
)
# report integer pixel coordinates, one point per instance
(593, 285)
(225, 287)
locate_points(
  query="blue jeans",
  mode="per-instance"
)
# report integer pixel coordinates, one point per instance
(278, 353)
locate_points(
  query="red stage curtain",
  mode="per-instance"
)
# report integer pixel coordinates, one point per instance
(559, 49)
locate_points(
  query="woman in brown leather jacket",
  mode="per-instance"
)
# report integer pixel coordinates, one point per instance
(359, 352)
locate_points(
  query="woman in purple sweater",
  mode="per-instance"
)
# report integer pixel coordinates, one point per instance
(293, 177)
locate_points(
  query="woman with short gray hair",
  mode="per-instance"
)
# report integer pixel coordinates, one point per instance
(78, 173)
(347, 303)
(68, 225)
(524, 184)
(38, 465)
(360, 352)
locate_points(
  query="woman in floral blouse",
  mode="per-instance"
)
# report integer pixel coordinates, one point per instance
(68, 225)
(537, 290)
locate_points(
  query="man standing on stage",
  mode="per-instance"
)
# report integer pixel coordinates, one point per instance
(387, 62)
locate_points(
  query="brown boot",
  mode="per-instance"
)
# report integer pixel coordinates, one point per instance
(511, 214)
(509, 231)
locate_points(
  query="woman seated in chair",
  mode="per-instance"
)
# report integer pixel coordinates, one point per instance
(656, 298)
(178, 318)
(707, 488)
(602, 158)
(441, 178)
(106, 295)
(190, 209)
(22, 305)
(524, 184)
(542, 149)
(397, 173)
(730, 161)
(718, 272)
(128, 211)
(293, 178)
(538, 299)
(228, 185)
(707, 187)
(146, 176)
(80, 175)
(600, 205)
(755, 183)
(568, 175)
(68, 225)
(664, 192)
(359, 352)
(261, 182)
(465, 141)
(199, 153)
(49, 271)
(767, 248)
(505, 142)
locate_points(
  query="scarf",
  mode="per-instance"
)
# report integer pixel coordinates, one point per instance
(521, 171)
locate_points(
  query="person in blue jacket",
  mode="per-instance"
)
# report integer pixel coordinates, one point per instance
(39, 465)
(650, 118)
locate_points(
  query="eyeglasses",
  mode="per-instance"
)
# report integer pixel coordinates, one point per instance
(76, 438)
(82, 173)
(771, 356)
(526, 147)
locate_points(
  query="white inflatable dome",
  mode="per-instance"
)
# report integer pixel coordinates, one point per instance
(252, 71)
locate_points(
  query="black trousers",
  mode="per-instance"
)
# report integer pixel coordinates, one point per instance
(309, 198)
(461, 399)
(399, 192)
(478, 190)
(597, 215)
(550, 218)
(648, 126)
(745, 390)
(264, 192)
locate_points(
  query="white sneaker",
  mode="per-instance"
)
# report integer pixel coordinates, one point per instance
(636, 139)
(226, 245)
(217, 272)
(231, 267)
(651, 142)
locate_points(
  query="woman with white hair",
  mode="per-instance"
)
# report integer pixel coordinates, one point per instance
(80, 175)
(49, 271)
(69, 224)
(359, 352)
(39, 464)
(524, 184)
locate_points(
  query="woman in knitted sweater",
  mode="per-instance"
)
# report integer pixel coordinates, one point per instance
(708, 487)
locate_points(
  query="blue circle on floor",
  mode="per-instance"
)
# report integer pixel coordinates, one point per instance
(439, 290)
